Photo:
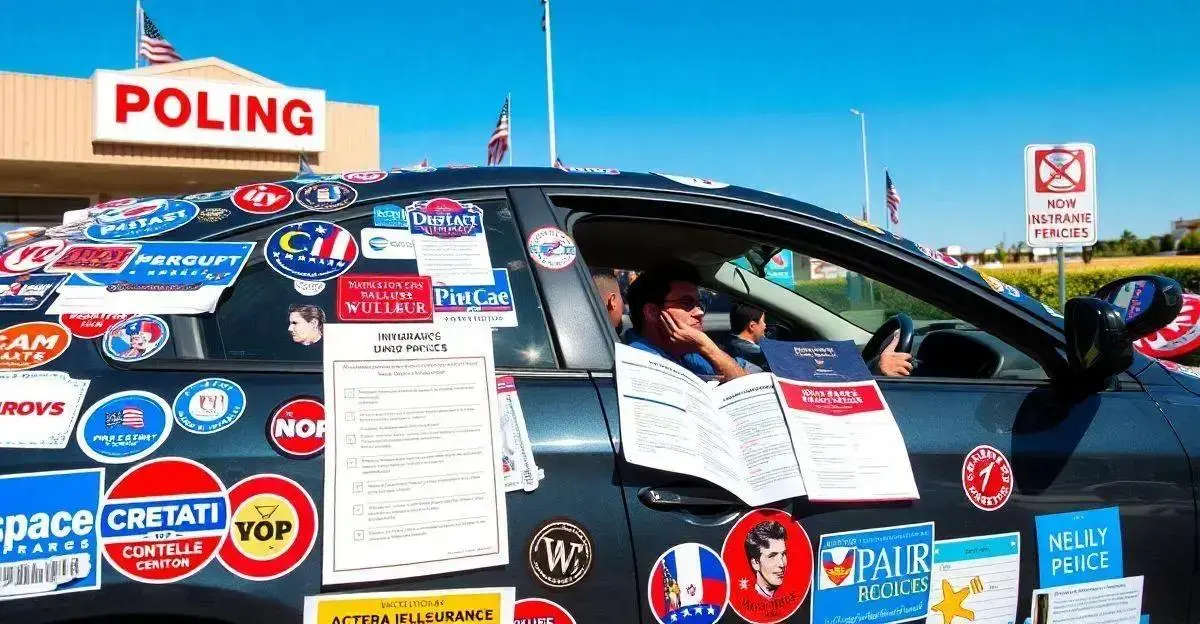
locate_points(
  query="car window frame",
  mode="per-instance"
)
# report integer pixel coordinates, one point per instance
(187, 326)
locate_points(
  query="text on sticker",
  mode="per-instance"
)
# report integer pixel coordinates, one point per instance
(43, 525)
(1067, 541)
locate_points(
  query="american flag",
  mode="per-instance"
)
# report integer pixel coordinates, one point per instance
(154, 47)
(545, 8)
(131, 417)
(498, 144)
(893, 199)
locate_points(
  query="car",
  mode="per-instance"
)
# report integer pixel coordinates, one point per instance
(1085, 424)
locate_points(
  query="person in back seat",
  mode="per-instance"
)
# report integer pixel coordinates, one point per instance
(610, 296)
(747, 327)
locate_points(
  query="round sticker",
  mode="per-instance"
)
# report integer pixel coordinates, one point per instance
(1001, 287)
(31, 257)
(559, 553)
(688, 581)
(941, 257)
(141, 220)
(326, 196)
(540, 611)
(987, 478)
(703, 183)
(272, 529)
(552, 248)
(1179, 337)
(88, 326)
(262, 199)
(770, 562)
(311, 250)
(124, 427)
(207, 197)
(164, 520)
(364, 177)
(209, 405)
(30, 345)
(212, 215)
(117, 203)
(308, 289)
(296, 429)
(136, 338)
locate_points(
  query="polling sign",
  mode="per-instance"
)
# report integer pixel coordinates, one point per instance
(1060, 194)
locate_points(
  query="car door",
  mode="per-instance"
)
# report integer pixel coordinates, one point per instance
(1071, 452)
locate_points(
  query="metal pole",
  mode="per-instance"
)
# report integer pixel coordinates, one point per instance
(1062, 280)
(510, 132)
(137, 34)
(550, 86)
(862, 117)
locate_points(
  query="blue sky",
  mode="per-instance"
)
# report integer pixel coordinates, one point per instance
(751, 93)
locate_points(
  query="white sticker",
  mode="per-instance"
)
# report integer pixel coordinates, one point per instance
(39, 409)
(552, 248)
(387, 244)
(703, 183)
(308, 289)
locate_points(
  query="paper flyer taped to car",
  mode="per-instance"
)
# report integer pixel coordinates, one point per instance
(484, 605)
(412, 452)
(39, 409)
(519, 469)
(1116, 601)
(450, 242)
(158, 278)
(846, 439)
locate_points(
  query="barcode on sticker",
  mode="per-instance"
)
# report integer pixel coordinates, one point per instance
(40, 575)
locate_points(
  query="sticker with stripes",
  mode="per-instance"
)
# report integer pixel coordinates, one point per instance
(314, 251)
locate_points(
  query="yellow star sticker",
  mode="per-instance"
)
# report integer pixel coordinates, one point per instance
(951, 605)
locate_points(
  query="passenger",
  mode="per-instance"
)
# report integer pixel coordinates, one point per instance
(610, 297)
(748, 326)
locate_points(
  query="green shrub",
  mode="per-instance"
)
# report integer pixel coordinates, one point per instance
(1043, 285)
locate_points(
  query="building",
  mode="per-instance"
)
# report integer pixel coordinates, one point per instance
(187, 127)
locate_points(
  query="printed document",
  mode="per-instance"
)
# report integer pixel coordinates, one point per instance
(1118, 601)
(519, 469)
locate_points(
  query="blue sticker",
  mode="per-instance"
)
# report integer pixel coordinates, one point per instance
(27, 292)
(50, 545)
(141, 220)
(173, 267)
(209, 405)
(326, 196)
(445, 218)
(312, 251)
(207, 197)
(136, 339)
(1079, 547)
(124, 427)
(391, 216)
(873, 576)
(490, 306)
(823, 360)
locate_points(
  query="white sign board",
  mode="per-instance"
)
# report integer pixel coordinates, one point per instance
(1060, 194)
(160, 110)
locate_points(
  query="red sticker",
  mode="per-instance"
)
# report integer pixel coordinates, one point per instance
(30, 345)
(297, 428)
(31, 257)
(540, 611)
(1180, 337)
(117, 203)
(90, 326)
(941, 257)
(262, 198)
(272, 527)
(364, 177)
(987, 478)
(770, 562)
(385, 298)
(93, 258)
(164, 520)
(833, 401)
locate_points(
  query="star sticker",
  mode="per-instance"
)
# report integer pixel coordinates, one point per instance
(951, 605)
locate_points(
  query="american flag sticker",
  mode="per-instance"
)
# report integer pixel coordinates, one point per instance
(124, 427)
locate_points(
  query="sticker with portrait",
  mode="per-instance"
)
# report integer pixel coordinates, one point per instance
(305, 323)
(136, 339)
(770, 562)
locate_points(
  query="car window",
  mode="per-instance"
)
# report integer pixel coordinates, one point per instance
(267, 317)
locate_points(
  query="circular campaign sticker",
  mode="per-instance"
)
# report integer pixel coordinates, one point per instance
(770, 562)
(364, 177)
(91, 325)
(209, 405)
(164, 520)
(688, 581)
(124, 427)
(326, 196)
(141, 220)
(1179, 337)
(540, 611)
(311, 251)
(262, 199)
(559, 553)
(31, 257)
(30, 345)
(296, 429)
(135, 339)
(552, 248)
(213, 214)
(1001, 287)
(273, 527)
(940, 257)
(987, 478)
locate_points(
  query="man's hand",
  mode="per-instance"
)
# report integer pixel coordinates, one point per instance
(677, 331)
(893, 364)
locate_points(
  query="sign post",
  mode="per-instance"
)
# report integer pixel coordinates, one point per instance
(1060, 200)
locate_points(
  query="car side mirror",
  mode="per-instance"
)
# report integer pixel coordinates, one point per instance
(1098, 344)
(1147, 302)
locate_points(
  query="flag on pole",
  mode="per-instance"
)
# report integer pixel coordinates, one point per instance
(893, 199)
(543, 15)
(153, 46)
(498, 144)
(558, 164)
(424, 163)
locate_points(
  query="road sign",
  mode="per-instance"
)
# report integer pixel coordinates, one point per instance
(1060, 194)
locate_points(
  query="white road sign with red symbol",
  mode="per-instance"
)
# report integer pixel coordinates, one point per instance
(1060, 194)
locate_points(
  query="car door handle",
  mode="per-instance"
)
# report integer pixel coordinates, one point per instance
(680, 497)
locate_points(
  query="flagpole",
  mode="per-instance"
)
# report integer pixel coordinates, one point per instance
(137, 33)
(510, 132)
(887, 217)
(549, 84)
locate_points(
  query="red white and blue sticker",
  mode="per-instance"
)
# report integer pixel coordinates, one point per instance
(552, 248)
(273, 527)
(164, 520)
(688, 583)
(30, 257)
(27, 292)
(209, 197)
(152, 217)
(941, 257)
(117, 203)
(703, 183)
(209, 405)
(313, 251)
(262, 199)
(862, 572)
(364, 177)
(50, 544)
(124, 427)
(1001, 287)
(326, 196)
(136, 338)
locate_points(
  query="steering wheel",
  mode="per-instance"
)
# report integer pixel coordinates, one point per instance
(875, 346)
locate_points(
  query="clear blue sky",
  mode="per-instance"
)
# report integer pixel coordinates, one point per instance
(752, 93)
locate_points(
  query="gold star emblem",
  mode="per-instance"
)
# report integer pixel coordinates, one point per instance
(951, 605)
